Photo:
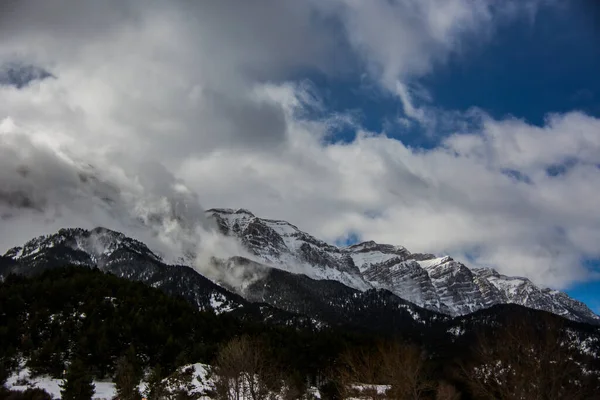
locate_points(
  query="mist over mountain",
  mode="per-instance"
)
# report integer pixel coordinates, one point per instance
(289, 269)
(319, 300)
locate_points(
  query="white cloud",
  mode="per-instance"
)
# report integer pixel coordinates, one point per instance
(455, 199)
(176, 103)
(400, 41)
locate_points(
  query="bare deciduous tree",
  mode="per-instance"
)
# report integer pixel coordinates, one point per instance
(447, 391)
(398, 365)
(527, 362)
(244, 371)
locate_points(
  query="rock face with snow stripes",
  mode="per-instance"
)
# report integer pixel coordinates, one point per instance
(342, 275)
(439, 284)
(268, 294)
(281, 244)
(120, 255)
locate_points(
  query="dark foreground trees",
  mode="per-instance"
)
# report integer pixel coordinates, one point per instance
(45, 319)
(156, 387)
(127, 378)
(401, 368)
(247, 368)
(77, 384)
(244, 370)
(529, 360)
(29, 394)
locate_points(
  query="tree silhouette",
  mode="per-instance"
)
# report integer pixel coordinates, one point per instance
(77, 384)
(156, 388)
(528, 361)
(244, 370)
(126, 380)
(400, 366)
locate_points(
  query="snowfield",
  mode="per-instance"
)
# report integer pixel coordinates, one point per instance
(201, 384)
(23, 381)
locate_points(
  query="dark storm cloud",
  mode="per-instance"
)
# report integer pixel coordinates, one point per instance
(148, 93)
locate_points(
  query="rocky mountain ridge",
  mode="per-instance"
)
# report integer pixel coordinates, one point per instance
(287, 264)
(115, 253)
(268, 294)
(439, 284)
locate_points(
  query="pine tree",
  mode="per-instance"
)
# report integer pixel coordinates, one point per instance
(4, 372)
(77, 384)
(126, 380)
(156, 389)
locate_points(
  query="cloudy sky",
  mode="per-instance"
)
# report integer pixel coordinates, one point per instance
(447, 126)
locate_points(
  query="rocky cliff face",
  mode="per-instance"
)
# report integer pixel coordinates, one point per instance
(292, 271)
(438, 284)
(263, 292)
(115, 253)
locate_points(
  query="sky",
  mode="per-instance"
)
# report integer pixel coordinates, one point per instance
(449, 127)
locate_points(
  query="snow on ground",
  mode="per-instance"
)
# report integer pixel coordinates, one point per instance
(218, 302)
(456, 330)
(23, 381)
(201, 383)
(366, 391)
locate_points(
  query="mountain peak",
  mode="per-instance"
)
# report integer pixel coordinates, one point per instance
(440, 284)
(239, 211)
(99, 243)
(374, 246)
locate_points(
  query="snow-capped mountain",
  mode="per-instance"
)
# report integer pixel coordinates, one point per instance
(296, 273)
(439, 284)
(271, 294)
(120, 255)
(281, 244)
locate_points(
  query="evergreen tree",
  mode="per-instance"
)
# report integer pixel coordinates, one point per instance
(77, 384)
(126, 380)
(4, 372)
(155, 390)
(182, 382)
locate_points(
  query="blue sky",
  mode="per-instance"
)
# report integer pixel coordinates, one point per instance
(527, 70)
(422, 123)
(588, 292)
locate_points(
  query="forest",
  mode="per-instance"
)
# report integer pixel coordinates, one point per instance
(78, 324)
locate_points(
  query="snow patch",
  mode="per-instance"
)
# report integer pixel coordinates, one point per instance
(23, 380)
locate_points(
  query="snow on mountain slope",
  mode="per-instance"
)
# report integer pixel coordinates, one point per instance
(436, 283)
(454, 284)
(370, 253)
(122, 256)
(522, 291)
(281, 245)
(407, 280)
(439, 284)
(98, 245)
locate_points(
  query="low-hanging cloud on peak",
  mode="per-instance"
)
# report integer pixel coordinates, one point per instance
(156, 107)
(44, 190)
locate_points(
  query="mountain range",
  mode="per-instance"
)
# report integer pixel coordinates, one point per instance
(439, 284)
(288, 276)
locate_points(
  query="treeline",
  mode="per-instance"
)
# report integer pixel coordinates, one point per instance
(79, 313)
(79, 324)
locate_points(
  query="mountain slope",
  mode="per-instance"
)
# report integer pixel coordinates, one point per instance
(374, 310)
(279, 243)
(261, 292)
(124, 257)
(128, 258)
(438, 284)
